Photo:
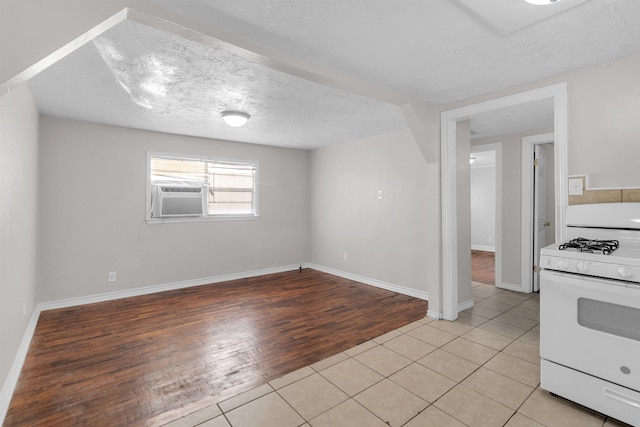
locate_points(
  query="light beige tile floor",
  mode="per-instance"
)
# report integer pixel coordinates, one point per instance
(481, 370)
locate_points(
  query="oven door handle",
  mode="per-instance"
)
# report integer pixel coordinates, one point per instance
(616, 395)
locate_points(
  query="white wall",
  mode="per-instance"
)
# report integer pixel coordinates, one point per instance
(92, 199)
(18, 220)
(386, 240)
(483, 207)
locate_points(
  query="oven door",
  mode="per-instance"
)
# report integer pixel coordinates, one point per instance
(591, 325)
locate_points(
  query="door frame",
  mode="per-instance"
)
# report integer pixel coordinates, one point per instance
(448, 146)
(526, 236)
(496, 147)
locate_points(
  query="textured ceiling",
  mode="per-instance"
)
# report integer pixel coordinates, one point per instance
(136, 76)
(437, 50)
(154, 77)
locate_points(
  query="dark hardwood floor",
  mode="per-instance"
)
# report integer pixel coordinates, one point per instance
(483, 267)
(151, 359)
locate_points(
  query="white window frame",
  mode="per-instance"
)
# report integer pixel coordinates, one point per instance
(207, 217)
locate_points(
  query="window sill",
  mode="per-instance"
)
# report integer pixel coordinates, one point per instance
(209, 218)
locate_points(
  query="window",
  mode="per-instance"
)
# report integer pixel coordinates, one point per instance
(186, 188)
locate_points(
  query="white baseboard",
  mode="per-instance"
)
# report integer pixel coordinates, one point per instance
(435, 315)
(16, 367)
(373, 282)
(465, 305)
(461, 307)
(90, 299)
(510, 287)
(483, 248)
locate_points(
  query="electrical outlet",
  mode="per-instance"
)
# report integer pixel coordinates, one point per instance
(112, 276)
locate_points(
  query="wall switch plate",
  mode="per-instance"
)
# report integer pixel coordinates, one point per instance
(346, 256)
(380, 195)
(575, 186)
(112, 276)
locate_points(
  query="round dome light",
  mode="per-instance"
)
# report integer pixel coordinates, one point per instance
(541, 2)
(235, 119)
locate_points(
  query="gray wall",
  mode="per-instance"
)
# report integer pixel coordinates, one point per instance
(18, 220)
(483, 207)
(388, 239)
(604, 124)
(92, 196)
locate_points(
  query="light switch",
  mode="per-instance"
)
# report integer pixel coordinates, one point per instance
(380, 195)
(575, 186)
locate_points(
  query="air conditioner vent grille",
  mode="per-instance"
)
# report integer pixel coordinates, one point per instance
(181, 189)
(175, 200)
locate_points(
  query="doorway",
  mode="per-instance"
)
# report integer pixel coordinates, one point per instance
(449, 119)
(538, 204)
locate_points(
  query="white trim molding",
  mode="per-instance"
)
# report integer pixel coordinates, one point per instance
(448, 146)
(10, 383)
(373, 282)
(434, 315)
(483, 248)
(511, 287)
(465, 305)
(109, 296)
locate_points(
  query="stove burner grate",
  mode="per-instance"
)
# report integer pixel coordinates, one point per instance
(581, 244)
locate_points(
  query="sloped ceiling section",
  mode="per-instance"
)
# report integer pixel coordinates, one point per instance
(134, 75)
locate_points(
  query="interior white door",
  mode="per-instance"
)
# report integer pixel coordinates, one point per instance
(539, 209)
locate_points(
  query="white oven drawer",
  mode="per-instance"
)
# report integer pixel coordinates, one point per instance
(591, 325)
(610, 399)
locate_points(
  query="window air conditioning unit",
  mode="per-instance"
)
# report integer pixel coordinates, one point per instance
(174, 200)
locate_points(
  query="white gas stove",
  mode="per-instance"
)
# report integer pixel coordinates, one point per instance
(603, 241)
(590, 310)
(623, 263)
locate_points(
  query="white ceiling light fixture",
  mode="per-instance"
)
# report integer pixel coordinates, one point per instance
(235, 119)
(542, 2)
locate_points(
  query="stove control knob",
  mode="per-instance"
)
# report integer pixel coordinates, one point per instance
(563, 264)
(625, 272)
(582, 266)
